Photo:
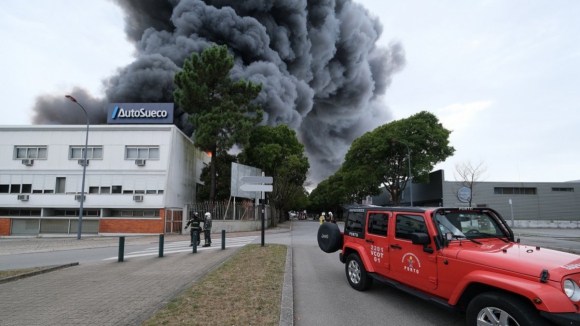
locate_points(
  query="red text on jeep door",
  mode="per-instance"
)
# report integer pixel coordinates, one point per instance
(376, 241)
(409, 263)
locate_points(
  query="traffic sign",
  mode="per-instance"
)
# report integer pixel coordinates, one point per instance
(257, 180)
(256, 187)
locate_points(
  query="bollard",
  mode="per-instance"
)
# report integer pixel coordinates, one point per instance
(223, 239)
(194, 242)
(121, 248)
(161, 245)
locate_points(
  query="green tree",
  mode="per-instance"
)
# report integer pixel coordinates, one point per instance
(319, 197)
(380, 157)
(277, 151)
(221, 110)
(343, 187)
(223, 178)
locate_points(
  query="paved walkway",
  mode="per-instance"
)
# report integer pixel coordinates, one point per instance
(108, 293)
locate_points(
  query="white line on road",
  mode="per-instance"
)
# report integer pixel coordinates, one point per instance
(183, 246)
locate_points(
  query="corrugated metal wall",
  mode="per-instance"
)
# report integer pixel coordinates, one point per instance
(546, 204)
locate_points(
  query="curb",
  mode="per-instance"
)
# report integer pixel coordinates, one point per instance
(42, 271)
(287, 304)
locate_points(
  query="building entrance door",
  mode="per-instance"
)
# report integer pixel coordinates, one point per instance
(173, 221)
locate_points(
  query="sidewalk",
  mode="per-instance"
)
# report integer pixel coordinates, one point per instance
(108, 293)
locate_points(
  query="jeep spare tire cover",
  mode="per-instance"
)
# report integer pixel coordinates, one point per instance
(329, 237)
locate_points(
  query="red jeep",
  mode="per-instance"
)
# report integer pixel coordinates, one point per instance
(459, 258)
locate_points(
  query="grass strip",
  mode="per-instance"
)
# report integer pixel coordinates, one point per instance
(245, 290)
(15, 272)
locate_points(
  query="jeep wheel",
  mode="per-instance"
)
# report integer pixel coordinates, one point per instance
(502, 309)
(329, 237)
(357, 274)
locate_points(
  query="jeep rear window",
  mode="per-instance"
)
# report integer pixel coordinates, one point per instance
(354, 224)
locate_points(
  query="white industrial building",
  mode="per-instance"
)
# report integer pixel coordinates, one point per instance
(138, 179)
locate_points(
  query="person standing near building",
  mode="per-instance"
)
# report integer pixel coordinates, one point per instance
(207, 229)
(195, 228)
(322, 218)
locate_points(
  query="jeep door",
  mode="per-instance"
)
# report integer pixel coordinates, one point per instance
(409, 263)
(377, 241)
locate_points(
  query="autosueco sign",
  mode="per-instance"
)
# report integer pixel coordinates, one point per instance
(142, 113)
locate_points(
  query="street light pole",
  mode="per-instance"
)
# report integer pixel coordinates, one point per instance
(410, 176)
(84, 168)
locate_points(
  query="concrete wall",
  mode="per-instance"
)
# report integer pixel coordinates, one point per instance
(237, 226)
(181, 172)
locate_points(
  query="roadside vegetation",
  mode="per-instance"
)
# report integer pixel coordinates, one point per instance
(245, 290)
(15, 272)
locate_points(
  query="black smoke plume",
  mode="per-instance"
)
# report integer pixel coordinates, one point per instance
(321, 69)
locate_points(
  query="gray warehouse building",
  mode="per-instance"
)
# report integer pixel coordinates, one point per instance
(530, 204)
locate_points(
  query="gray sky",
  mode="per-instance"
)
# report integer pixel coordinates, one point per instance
(503, 75)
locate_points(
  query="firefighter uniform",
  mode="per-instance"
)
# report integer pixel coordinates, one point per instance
(207, 229)
(195, 228)
(322, 218)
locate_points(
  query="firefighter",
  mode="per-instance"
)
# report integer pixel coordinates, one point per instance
(322, 218)
(195, 228)
(207, 229)
(331, 218)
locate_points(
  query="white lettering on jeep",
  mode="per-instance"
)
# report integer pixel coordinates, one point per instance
(377, 253)
(571, 267)
(353, 234)
(324, 236)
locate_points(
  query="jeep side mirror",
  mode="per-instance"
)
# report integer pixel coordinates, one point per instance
(420, 238)
(448, 236)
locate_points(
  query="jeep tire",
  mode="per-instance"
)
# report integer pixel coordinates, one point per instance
(329, 237)
(357, 274)
(503, 309)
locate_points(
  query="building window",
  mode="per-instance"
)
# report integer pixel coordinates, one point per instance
(93, 153)
(135, 213)
(20, 212)
(514, 191)
(30, 152)
(142, 153)
(75, 212)
(563, 189)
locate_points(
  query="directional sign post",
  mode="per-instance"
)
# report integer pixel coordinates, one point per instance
(258, 184)
(256, 187)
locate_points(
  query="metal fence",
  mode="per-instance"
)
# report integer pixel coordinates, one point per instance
(230, 211)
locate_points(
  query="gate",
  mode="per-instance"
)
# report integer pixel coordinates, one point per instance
(173, 221)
